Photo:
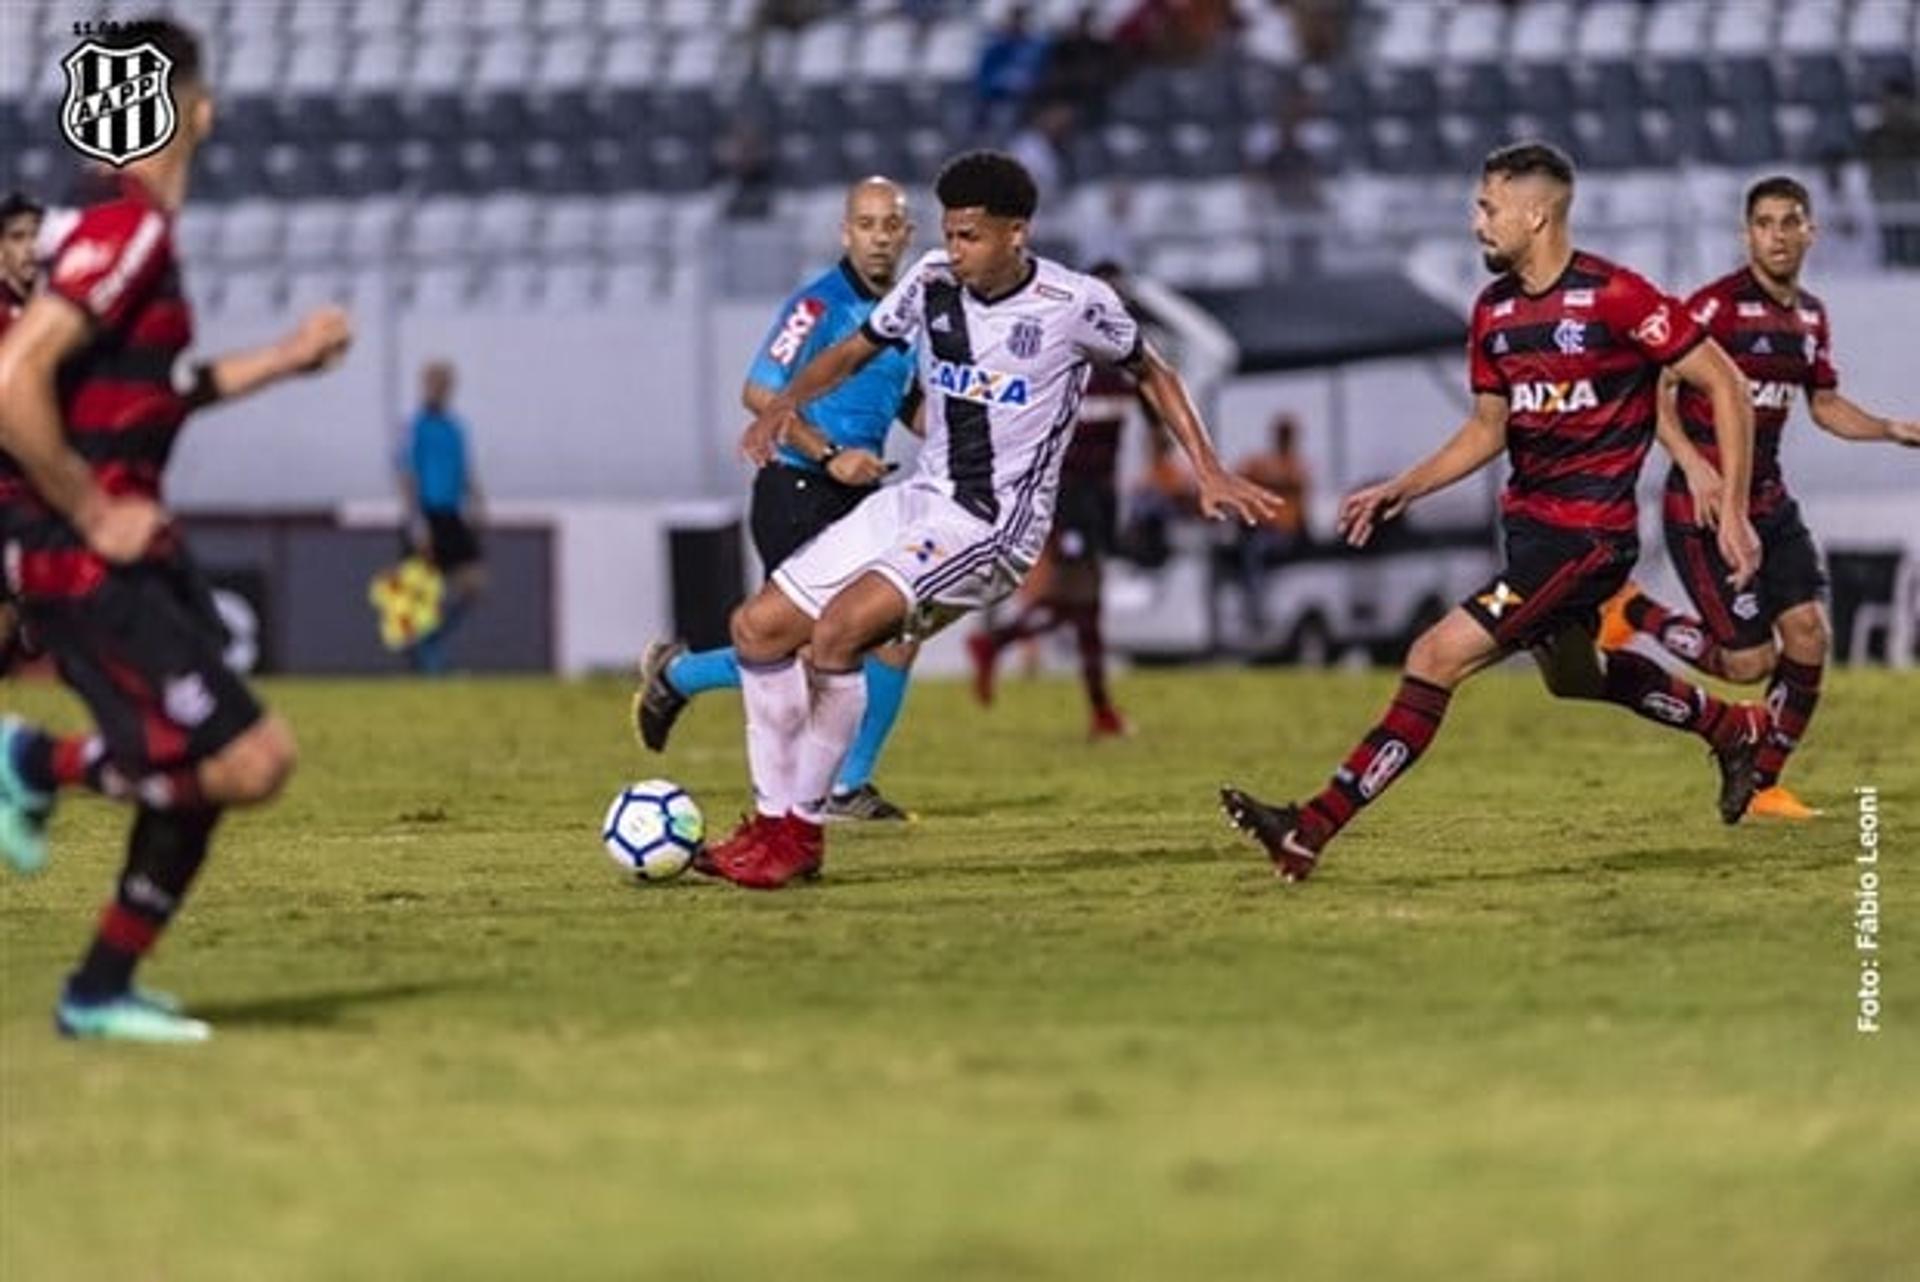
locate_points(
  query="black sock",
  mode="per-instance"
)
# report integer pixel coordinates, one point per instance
(164, 853)
(33, 758)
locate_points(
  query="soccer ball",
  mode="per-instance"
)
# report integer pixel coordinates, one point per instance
(653, 830)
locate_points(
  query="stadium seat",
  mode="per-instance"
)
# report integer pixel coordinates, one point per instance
(378, 65)
(1340, 91)
(504, 15)
(1609, 140)
(1609, 86)
(252, 230)
(1204, 95)
(1879, 68)
(1542, 31)
(1747, 135)
(695, 61)
(374, 17)
(439, 227)
(571, 287)
(823, 55)
(1814, 79)
(1235, 262)
(196, 233)
(1409, 36)
(1810, 26)
(1476, 32)
(884, 50)
(1467, 138)
(505, 63)
(316, 229)
(1407, 146)
(373, 228)
(1224, 206)
(1882, 26)
(1476, 89)
(949, 50)
(1745, 29)
(1543, 88)
(1141, 101)
(251, 64)
(635, 221)
(1608, 30)
(1680, 84)
(440, 287)
(441, 63)
(1268, 36)
(435, 17)
(570, 226)
(256, 18)
(1746, 81)
(1676, 28)
(1405, 91)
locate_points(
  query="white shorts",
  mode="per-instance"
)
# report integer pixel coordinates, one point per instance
(943, 558)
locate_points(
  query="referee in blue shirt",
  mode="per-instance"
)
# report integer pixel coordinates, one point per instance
(443, 495)
(818, 479)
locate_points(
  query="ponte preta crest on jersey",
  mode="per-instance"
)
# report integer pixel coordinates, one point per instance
(119, 104)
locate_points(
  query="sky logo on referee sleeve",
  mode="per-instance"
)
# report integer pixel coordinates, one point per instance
(119, 104)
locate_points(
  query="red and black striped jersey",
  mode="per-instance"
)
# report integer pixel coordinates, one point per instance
(1579, 365)
(1093, 457)
(119, 401)
(1780, 349)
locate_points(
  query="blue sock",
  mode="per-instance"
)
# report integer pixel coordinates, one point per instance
(693, 673)
(886, 692)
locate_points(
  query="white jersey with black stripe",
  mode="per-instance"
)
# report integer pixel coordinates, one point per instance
(1002, 381)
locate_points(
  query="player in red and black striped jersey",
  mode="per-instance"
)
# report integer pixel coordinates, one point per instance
(1567, 350)
(89, 408)
(19, 231)
(1779, 336)
(1064, 589)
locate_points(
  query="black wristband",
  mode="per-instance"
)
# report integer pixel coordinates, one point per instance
(828, 455)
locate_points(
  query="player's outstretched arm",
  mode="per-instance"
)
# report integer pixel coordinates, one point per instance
(1703, 479)
(1846, 420)
(1480, 440)
(1709, 368)
(317, 343)
(1220, 492)
(50, 330)
(771, 427)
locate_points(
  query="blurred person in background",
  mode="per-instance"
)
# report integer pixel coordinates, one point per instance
(1082, 67)
(1280, 469)
(1010, 69)
(20, 219)
(1064, 590)
(444, 507)
(1892, 152)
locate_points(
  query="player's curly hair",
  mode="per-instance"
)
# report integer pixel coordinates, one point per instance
(990, 180)
(1526, 159)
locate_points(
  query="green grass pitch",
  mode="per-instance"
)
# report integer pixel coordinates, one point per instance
(1540, 1017)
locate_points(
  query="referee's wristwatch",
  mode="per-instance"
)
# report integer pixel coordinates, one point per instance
(826, 459)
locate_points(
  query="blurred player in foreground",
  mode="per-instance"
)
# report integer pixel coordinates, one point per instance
(1565, 354)
(1776, 627)
(89, 409)
(20, 219)
(828, 465)
(1005, 341)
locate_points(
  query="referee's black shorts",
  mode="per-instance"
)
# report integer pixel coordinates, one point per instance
(791, 505)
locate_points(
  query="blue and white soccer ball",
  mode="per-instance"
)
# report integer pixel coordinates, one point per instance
(653, 830)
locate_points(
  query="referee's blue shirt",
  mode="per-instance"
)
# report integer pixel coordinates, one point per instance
(856, 414)
(437, 457)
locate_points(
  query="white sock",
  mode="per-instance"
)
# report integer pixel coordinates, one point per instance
(839, 701)
(776, 699)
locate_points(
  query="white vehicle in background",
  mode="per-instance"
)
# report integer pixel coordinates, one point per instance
(1324, 604)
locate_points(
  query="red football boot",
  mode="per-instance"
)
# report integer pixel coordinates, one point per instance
(794, 848)
(742, 846)
(1108, 724)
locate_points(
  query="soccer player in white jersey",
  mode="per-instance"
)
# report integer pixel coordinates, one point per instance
(1005, 343)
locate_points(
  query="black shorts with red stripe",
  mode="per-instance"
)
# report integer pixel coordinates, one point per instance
(1790, 574)
(146, 651)
(1552, 578)
(1086, 519)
